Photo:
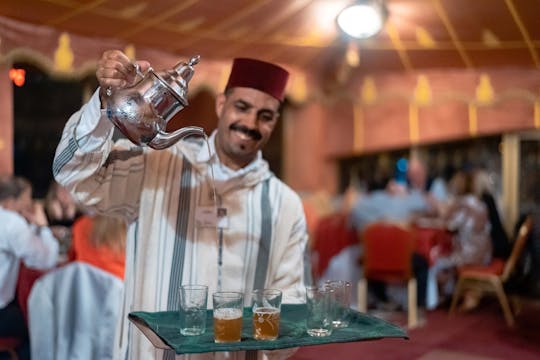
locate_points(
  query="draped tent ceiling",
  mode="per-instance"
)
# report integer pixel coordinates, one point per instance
(300, 34)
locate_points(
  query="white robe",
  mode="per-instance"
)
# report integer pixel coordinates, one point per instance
(159, 192)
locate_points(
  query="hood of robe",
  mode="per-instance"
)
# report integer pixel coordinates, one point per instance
(204, 159)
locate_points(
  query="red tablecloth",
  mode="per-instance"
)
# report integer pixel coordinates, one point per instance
(432, 242)
(26, 280)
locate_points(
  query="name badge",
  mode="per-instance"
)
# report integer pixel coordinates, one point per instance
(210, 216)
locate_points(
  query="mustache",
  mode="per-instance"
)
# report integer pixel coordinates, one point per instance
(254, 134)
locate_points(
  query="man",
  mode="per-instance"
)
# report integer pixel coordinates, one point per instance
(166, 196)
(396, 204)
(24, 239)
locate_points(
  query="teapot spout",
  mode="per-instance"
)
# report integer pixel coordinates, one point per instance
(164, 139)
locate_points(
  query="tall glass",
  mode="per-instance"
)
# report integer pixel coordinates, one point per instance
(193, 300)
(266, 308)
(228, 312)
(341, 298)
(319, 311)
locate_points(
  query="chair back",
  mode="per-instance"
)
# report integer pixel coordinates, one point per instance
(388, 248)
(517, 248)
(73, 312)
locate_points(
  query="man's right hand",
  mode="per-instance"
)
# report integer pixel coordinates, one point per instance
(115, 70)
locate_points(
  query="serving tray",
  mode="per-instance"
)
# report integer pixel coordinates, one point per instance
(162, 329)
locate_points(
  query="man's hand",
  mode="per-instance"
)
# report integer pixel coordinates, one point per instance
(115, 70)
(35, 215)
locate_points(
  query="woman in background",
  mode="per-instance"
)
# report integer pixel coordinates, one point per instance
(100, 241)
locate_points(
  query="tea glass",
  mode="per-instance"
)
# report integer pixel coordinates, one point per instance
(266, 308)
(228, 312)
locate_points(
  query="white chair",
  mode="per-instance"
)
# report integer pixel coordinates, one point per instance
(73, 312)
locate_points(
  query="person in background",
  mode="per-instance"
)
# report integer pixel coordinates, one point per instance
(394, 203)
(167, 198)
(434, 189)
(60, 207)
(484, 190)
(467, 217)
(24, 236)
(100, 241)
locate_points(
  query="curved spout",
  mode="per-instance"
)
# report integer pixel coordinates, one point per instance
(164, 139)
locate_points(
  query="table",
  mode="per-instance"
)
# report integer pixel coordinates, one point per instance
(25, 281)
(162, 329)
(432, 242)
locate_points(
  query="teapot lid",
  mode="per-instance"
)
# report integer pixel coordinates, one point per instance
(178, 77)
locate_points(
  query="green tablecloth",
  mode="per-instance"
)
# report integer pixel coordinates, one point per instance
(292, 332)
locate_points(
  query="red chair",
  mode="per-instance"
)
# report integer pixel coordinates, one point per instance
(388, 250)
(332, 235)
(491, 278)
(9, 344)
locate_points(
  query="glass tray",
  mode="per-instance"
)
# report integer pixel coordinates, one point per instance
(163, 330)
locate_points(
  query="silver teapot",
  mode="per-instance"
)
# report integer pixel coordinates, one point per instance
(141, 112)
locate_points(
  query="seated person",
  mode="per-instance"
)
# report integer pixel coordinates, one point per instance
(100, 241)
(394, 203)
(60, 207)
(467, 218)
(24, 236)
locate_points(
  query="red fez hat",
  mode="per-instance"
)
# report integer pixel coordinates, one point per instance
(259, 75)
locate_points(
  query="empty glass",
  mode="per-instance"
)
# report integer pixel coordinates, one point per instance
(341, 298)
(193, 299)
(319, 311)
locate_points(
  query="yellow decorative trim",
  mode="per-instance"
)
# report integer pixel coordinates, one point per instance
(398, 45)
(424, 38)
(129, 50)
(489, 39)
(369, 91)
(63, 56)
(358, 124)
(422, 92)
(352, 56)
(524, 32)
(484, 90)
(297, 88)
(414, 128)
(473, 119)
(452, 32)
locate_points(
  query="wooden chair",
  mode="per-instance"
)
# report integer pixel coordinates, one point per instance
(9, 344)
(491, 278)
(388, 250)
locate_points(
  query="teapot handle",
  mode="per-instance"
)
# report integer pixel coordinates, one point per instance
(138, 72)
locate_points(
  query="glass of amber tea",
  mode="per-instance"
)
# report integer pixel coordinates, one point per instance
(228, 310)
(266, 308)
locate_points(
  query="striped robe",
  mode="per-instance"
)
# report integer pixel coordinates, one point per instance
(158, 192)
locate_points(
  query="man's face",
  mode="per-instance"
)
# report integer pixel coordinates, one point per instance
(247, 118)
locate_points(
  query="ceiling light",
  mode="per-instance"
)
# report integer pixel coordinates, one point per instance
(363, 19)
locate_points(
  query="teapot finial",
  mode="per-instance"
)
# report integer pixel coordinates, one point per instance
(194, 60)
